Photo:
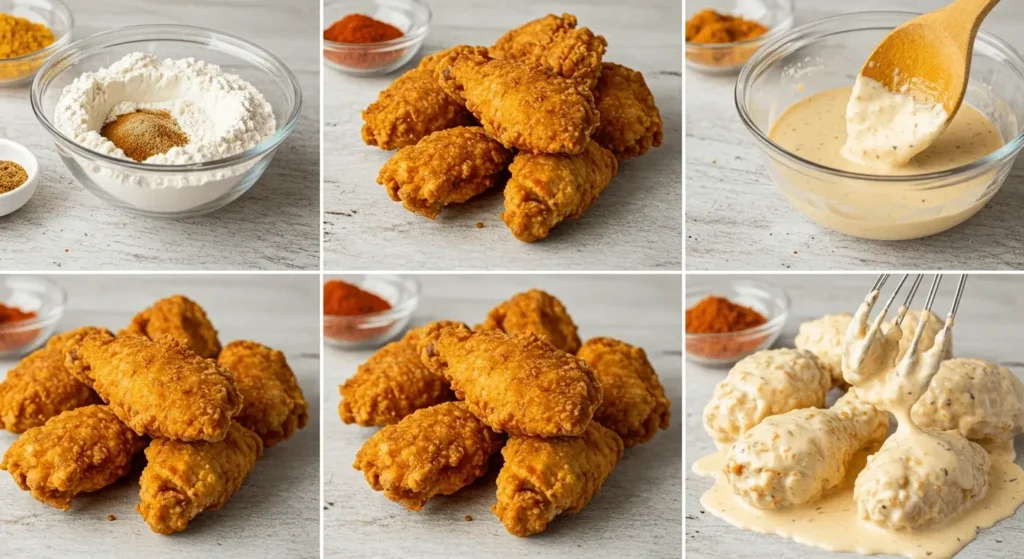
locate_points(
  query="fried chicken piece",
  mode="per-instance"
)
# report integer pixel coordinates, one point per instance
(824, 338)
(542, 478)
(414, 106)
(78, 451)
(447, 167)
(393, 383)
(435, 451)
(767, 383)
(160, 388)
(520, 104)
(518, 384)
(978, 399)
(273, 406)
(545, 190)
(797, 457)
(538, 312)
(634, 403)
(921, 478)
(180, 318)
(39, 387)
(556, 43)
(630, 121)
(182, 479)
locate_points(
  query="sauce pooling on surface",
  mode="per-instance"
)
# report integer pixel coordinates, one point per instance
(814, 128)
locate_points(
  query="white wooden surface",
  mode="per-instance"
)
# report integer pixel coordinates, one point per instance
(637, 513)
(274, 226)
(635, 225)
(736, 219)
(275, 514)
(987, 328)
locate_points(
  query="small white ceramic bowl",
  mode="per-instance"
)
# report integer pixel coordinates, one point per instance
(15, 199)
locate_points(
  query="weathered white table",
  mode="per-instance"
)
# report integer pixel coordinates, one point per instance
(636, 224)
(736, 219)
(987, 328)
(277, 511)
(274, 226)
(638, 511)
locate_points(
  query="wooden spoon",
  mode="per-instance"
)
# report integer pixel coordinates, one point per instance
(929, 57)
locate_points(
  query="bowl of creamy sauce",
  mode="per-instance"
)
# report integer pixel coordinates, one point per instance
(863, 161)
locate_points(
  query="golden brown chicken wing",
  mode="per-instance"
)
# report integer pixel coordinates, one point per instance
(520, 104)
(180, 318)
(78, 451)
(556, 43)
(39, 387)
(538, 312)
(414, 106)
(545, 190)
(543, 478)
(518, 384)
(435, 451)
(160, 389)
(630, 121)
(273, 406)
(393, 383)
(182, 480)
(447, 167)
(634, 404)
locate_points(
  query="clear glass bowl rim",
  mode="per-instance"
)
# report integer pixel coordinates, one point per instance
(40, 321)
(415, 34)
(767, 56)
(188, 33)
(57, 43)
(401, 310)
(778, 29)
(766, 328)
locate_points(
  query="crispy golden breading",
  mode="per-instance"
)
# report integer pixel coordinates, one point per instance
(182, 480)
(435, 451)
(538, 312)
(39, 387)
(555, 42)
(630, 121)
(160, 388)
(543, 478)
(545, 190)
(273, 406)
(78, 451)
(518, 384)
(415, 106)
(447, 167)
(180, 318)
(392, 384)
(634, 404)
(520, 104)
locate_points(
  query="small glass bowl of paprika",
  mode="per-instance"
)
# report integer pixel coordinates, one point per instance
(727, 320)
(30, 308)
(367, 311)
(373, 37)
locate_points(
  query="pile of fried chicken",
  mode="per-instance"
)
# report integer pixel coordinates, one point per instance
(538, 112)
(450, 397)
(89, 403)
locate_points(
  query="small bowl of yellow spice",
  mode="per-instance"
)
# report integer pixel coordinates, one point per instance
(30, 31)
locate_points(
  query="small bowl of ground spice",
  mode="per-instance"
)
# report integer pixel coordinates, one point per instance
(727, 320)
(368, 311)
(373, 37)
(30, 31)
(19, 175)
(30, 308)
(724, 34)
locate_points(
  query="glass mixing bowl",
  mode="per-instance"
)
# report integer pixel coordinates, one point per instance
(374, 59)
(828, 54)
(168, 190)
(728, 58)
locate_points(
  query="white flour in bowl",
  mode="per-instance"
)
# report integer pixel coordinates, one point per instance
(221, 113)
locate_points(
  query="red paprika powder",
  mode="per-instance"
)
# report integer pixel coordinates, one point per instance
(359, 29)
(14, 340)
(718, 315)
(342, 299)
